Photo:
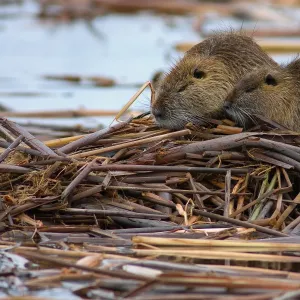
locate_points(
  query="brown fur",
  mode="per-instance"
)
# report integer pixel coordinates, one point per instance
(224, 58)
(272, 93)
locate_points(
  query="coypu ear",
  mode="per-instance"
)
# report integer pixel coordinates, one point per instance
(270, 80)
(156, 79)
(198, 74)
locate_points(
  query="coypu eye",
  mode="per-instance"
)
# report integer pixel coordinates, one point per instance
(198, 74)
(270, 80)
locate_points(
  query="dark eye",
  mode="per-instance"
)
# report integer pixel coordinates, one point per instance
(182, 88)
(270, 80)
(198, 74)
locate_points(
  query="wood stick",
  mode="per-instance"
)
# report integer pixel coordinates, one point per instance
(91, 138)
(11, 147)
(144, 168)
(131, 144)
(29, 139)
(159, 241)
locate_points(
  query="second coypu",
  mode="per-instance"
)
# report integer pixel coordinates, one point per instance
(195, 89)
(272, 93)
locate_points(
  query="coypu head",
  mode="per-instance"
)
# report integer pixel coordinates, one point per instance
(186, 95)
(272, 93)
(195, 89)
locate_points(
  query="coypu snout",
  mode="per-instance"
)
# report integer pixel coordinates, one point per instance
(159, 113)
(169, 113)
(233, 109)
(229, 110)
(227, 105)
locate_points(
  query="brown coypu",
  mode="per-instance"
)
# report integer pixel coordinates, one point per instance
(272, 93)
(195, 89)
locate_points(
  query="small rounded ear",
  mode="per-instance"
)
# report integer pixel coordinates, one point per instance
(270, 80)
(156, 79)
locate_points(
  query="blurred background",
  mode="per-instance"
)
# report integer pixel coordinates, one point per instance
(90, 56)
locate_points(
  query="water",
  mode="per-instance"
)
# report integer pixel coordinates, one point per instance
(128, 48)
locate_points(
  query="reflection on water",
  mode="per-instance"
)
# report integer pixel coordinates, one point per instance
(128, 48)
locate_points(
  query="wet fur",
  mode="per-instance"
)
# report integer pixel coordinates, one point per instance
(224, 58)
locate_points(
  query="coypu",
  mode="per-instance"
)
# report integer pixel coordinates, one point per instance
(273, 93)
(195, 89)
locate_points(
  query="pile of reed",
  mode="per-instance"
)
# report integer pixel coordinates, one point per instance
(138, 212)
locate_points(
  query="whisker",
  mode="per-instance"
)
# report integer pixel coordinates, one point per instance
(240, 118)
(249, 116)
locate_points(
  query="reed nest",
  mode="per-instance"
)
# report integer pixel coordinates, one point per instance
(138, 212)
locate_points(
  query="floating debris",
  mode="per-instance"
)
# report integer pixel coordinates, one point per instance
(99, 81)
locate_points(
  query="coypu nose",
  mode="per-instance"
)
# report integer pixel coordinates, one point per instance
(159, 113)
(227, 105)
